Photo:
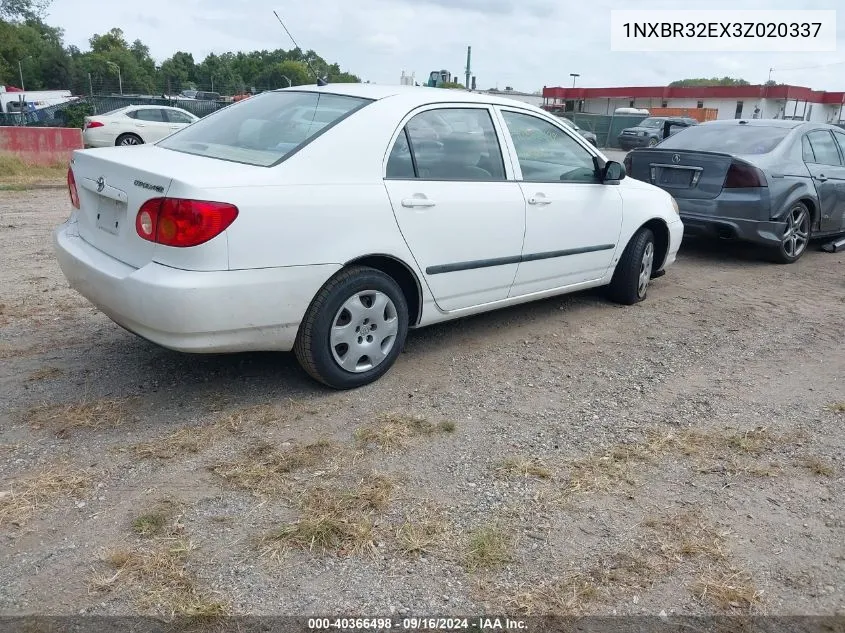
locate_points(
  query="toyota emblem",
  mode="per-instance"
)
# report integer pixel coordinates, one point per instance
(676, 158)
(101, 184)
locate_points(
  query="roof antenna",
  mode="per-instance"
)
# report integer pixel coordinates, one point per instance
(320, 80)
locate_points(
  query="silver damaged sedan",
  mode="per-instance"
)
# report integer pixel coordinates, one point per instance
(777, 183)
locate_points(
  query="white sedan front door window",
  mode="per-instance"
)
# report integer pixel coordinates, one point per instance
(572, 220)
(461, 217)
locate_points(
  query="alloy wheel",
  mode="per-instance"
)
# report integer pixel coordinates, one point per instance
(797, 233)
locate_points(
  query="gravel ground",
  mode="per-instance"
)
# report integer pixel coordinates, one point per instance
(569, 456)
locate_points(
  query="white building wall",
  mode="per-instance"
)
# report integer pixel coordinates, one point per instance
(726, 108)
(535, 100)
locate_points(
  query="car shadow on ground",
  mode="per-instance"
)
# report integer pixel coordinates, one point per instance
(723, 252)
(733, 252)
(246, 377)
(251, 377)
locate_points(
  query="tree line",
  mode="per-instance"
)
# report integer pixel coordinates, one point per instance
(36, 50)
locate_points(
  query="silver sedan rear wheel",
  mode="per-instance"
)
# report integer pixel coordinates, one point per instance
(797, 233)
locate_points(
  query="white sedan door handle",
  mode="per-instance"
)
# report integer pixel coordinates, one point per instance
(539, 200)
(417, 202)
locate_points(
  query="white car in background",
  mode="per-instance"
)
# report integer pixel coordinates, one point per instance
(264, 227)
(134, 125)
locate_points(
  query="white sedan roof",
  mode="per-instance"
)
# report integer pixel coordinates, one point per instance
(423, 95)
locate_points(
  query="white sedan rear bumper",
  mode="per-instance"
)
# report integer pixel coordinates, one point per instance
(189, 311)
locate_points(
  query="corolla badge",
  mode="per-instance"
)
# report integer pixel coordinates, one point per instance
(676, 158)
(146, 185)
(101, 184)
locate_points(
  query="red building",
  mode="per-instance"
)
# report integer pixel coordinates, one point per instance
(757, 101)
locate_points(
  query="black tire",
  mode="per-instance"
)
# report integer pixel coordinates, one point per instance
(653, 141)
(784, 253)
(313, 347)
(625, 287)
(133, 139)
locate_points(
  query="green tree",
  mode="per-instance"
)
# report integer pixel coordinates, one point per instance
(111, 63)
(277, 75)
(178, 72)
(713, 81)
(23, 9)
(44, 63)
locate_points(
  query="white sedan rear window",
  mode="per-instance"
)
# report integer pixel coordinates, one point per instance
(265, 129)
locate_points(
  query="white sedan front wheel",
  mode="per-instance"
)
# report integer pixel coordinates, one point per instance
(634, 270)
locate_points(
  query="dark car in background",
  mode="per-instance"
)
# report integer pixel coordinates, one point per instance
(773, 182)
(585, 133)
(649, 132)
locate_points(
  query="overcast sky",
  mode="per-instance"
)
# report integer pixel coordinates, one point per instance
(525, 44)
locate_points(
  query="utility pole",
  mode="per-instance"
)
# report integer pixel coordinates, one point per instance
(90, 85)
(574, 77)
(20, 70)
(469, 67)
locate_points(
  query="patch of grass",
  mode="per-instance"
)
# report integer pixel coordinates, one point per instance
(179, 443)
(150, 524)
(754, 441)
(662, 545)
(161, 580)
(333, 521)
(818, 466)
(89, 414)
(260, 414)
(15, 173)
(197, 438)
(25, 497)
(837, 407)
(420, 531)
(265, 470)
(727, 588)
(45, 373)
(393, 431)
(524, 467)
(683, 537)
(487, 548)
(568, 596)
(158, 521)
(727, 451)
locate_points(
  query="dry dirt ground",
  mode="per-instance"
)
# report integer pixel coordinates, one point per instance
(684, 455)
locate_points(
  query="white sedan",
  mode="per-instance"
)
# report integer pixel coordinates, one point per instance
(134, 125)
(330, 220)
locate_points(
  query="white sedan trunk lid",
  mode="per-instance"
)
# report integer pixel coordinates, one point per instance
(114, 182)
